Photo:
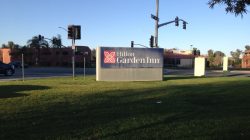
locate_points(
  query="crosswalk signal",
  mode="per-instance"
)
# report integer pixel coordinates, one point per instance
(70, 32)
(151, 41)
(176, 21)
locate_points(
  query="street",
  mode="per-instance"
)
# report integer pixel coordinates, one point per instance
(46, 72)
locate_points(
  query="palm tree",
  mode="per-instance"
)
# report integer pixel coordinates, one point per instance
(37, 42)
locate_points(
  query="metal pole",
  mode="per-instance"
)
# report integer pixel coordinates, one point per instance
(73, 58)
(156, 23)
(84, 66)
(22, 68)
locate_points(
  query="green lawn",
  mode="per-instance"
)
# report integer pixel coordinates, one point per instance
(176, 108)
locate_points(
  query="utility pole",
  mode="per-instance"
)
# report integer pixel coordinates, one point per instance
(156, 24)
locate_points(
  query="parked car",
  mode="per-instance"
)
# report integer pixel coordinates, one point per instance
(18, 64)
(7, 69)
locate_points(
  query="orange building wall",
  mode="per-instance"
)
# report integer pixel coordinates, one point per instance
(246, 60)
(5, 55)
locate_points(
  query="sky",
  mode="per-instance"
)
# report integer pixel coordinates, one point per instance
(115, 23)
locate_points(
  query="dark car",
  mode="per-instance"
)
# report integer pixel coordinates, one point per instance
(7, 69)
(18, 64)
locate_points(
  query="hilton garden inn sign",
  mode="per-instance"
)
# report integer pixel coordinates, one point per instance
(129, 64)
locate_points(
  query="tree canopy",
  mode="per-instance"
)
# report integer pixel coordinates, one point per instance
(236, 56)
(37, 42)
(10, 45)
(215, 58)
(56, 42)
(238, 7)
(247, 47)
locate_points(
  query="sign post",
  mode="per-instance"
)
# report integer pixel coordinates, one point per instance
(22, 68)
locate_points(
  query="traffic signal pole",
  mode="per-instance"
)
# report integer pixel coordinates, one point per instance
(74, 32)
(73, 58)
(156, 24)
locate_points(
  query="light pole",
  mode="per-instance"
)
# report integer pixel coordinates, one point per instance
(73, 52)
(84, 62)
(157, 25)
(63, 29)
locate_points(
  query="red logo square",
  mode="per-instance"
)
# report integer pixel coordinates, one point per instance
(109, 57)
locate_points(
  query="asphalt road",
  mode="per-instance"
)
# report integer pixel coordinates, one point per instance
(31, 73)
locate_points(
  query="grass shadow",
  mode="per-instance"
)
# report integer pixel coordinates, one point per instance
(175, 77)
(208, 111)
(12, 91)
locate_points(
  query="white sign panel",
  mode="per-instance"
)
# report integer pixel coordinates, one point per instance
(199, 66)
(225, 64)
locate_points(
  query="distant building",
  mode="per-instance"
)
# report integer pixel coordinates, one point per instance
(5, 55)
(246, 59)
(49, 56)
(178, 58)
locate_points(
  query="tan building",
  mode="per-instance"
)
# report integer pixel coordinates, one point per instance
(5, 55)
(178, 58)
(246, 59)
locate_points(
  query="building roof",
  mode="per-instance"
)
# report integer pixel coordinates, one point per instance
(180, 56)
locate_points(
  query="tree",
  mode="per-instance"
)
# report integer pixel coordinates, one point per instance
(4, 46)
(11, 45)
(236, 57)
(195, 51)
(37, 42)
(56, 42)
(247, 47)
(210, 58)
(218, 57)
(93, 54)
(232, 6)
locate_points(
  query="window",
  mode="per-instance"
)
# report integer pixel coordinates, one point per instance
(65, 53)
(178, 61)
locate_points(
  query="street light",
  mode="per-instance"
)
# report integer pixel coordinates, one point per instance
(63, 29)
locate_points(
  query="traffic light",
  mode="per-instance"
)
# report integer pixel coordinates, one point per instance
(77, 29)
(176, 21)
(39, 37)
(151, 42)
(54, 40)
(132, 44)
(70, 32)
(184, 25)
